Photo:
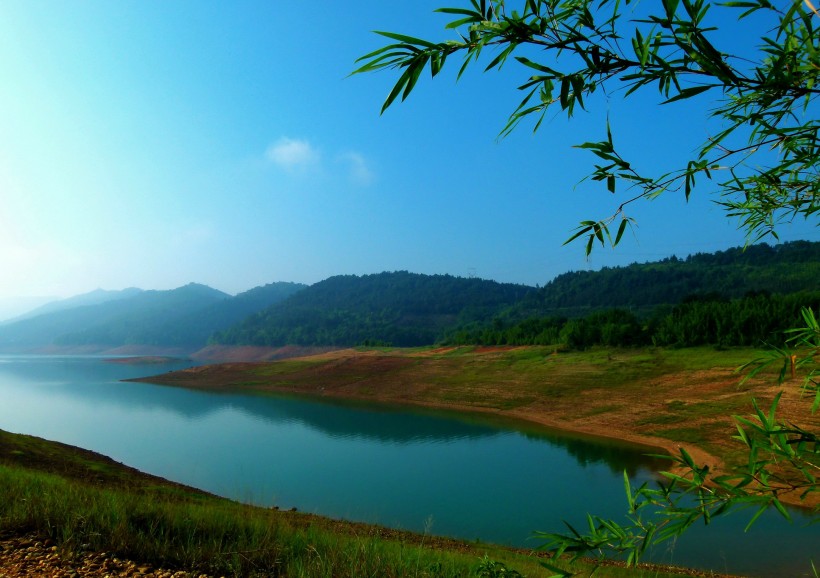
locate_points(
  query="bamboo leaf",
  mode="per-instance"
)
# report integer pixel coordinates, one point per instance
(689, 93)
(628, 489)
(581, 231)
(559, 573)
(755, 517)
(415, 71)
(621, 229)
(406, 39)
(780, 508)
(461, 11)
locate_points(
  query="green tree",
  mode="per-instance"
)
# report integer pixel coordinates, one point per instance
(762, 159)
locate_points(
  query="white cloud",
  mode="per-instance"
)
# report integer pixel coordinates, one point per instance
(296, 155)
(358, 170)
(292, 154)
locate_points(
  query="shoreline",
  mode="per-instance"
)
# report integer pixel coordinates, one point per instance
(516, 419)
(545, 391)
(97, 472)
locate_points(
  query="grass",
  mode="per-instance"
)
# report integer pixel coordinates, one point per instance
(142, 518)
(678, 411)
(601, 410)
(662, 419)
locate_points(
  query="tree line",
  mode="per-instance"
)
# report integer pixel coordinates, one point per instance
(397, 308)
(636, 305)
(756, 319)
(786, 268)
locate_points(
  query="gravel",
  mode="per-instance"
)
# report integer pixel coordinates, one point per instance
(33, 556)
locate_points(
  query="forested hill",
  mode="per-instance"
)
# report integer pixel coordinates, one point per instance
(400, 308)
(179, 318)
(114, 322)
(408, 309)
(782, 269)
(194, 329)
(95, 297)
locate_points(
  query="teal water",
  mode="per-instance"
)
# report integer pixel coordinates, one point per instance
(430, 472)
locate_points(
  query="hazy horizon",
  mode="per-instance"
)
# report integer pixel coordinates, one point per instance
(15, 306)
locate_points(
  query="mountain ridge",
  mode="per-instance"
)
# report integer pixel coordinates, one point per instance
(153, 318)
(392, 308)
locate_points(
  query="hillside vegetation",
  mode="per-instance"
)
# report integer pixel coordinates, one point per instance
(757, 319)
(783, 269)
(180, 318)
(733, 297)
(403, 309)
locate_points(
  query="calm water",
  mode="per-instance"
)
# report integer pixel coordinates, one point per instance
(440, 473)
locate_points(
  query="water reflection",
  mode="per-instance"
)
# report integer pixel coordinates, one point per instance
(617, 458)
(96, 380)
(452, 475)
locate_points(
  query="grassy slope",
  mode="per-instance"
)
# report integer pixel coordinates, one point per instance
(655, 397)
(82, 500)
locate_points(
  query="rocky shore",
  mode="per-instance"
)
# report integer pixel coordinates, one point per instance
(28, 556)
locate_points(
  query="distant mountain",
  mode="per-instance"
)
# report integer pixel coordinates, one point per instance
(92, 298)
(179, 318)
(197, 327)
(783, 269)
(151, 318)
(401, 308)
(13, 308)
(139, 318)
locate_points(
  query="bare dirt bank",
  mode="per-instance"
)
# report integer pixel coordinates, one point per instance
(660, 400)
(232, 353)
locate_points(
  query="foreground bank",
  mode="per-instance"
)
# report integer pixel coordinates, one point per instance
(82, 514)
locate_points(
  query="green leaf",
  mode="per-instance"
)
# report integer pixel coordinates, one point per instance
(754, 519)
(600, 230)
(687, 459)
(415, 71)
(462, 11)
(628, 489)
(780, 508)
(670, 6)
(742, 435)
(406, 81)
(406, 39)
(459, 23)
(590, 241)
(621, 229)
(539, 67)
(582, 230)
(689, 93)
(500, 58)
(564, 94)
(559, 573)
(394, 93)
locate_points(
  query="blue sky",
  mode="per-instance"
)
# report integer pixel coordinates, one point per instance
(152, 144)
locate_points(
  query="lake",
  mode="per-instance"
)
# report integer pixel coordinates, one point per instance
(425, 471)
